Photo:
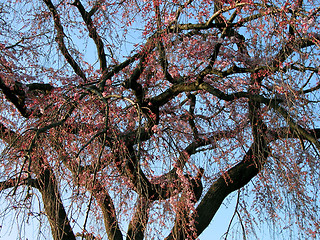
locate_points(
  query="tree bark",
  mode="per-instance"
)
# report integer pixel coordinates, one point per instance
(55, 211)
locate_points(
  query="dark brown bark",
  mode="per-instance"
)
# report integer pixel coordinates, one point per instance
(86, 16)
(233, 179)
(139, 221)
(109, 214)
(18, 101)
(98, 192)
(60, 40)
(54, 208)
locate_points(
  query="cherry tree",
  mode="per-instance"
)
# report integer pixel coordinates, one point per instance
(137, 119)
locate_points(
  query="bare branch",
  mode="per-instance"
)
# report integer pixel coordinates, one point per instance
(233, 179)
(93, 34)
(60, 40)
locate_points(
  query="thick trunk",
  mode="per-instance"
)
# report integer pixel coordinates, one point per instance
(234, 179)
(109, 214)
(59, 223)
(139, 221)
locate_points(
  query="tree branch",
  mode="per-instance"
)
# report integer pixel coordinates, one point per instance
(60, 40)
(11, 183)
(98, 191)
(109, 214)
(93, 34)
(55, 211)
(16, 100)
(7, 135)
(138, 223)
(168, 184)
(183, 228)
(233, 179)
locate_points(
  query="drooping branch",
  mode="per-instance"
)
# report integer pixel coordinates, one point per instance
(138, 223)
(235, 178)
(295, 127)
(168, 184)
(183, 227)
(98, 191)
(142, 185)
(161, 49)
(11, 183)
(289, 47)
(271, 67)
(238, 176)
(287, 132)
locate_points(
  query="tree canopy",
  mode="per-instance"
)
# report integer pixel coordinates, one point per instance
(136, 119)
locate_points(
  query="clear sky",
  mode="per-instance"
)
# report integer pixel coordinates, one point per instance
(215, 231)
